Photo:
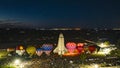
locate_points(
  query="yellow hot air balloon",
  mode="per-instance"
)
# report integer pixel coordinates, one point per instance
(3, 53)
(31, 50)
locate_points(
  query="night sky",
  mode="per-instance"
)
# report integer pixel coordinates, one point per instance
(62, 13)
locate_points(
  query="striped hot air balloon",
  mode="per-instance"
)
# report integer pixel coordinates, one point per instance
(47, 48)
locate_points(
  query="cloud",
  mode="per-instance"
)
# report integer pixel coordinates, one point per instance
(15, 24)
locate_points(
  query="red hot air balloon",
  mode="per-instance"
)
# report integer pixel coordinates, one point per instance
(20, 50)
(91, 48)
(19, 47)
(71, 46)
(80, 47)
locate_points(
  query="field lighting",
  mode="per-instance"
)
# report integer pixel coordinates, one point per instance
(96, 66)
(17, 62)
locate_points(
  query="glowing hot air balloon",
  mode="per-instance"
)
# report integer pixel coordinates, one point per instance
(31, 50)
(80, 47)
(71, 46)
(39, 51)
(20, 50)
(80, 44)
(47, 48)
(91, 48)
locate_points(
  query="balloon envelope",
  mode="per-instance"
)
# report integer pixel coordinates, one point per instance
(19, 47)
(31, 50)
(80, 44)
(20, 52)
(71, 46)
(39, 51)
(91, 48)
(3, 53)
(47, 47)
(80, 49)
(47, 52)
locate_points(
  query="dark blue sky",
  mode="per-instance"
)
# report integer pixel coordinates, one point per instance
(63, 13)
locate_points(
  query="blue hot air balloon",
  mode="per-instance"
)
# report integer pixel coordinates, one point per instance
(39, 51)
(47, 48)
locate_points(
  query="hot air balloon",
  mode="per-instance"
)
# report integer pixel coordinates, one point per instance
(20, 50)
(47, 48)
(39, 51)
(80, 44)
(71, 46)
(80, 47)
(31, 50)
(3, 53)
(91, 48)
(19, 47)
